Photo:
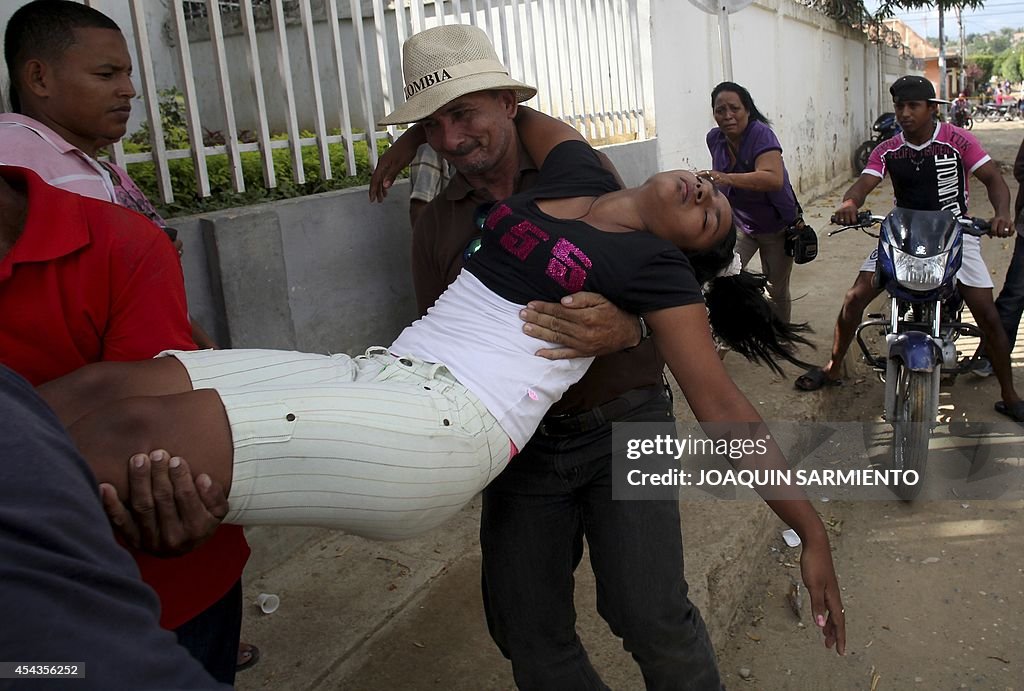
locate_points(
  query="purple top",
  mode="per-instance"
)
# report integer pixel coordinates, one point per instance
(755, 212)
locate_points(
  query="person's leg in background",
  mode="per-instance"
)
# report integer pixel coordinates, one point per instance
(1009, 305)
(857, 299)
(212, 636)
(248, 655)
(778, 268)
(746, 247)
(979, 301)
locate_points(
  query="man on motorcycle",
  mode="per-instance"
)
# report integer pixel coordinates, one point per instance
(922, 161)
(960, 110)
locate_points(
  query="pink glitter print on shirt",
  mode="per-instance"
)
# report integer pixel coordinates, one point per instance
(568, 266)
(499, 212)
(521, 238)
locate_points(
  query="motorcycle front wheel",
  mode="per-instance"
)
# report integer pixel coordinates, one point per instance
(911, 427)
(969, 123)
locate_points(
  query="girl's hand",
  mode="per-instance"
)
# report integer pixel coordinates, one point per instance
(393, 161)
(819, 576)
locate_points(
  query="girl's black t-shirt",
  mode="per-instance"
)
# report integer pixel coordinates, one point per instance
(527, 255)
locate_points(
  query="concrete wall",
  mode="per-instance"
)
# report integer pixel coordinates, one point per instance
(818, 82)
(327, 273)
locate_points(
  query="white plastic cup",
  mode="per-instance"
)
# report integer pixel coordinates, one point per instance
(268, 602)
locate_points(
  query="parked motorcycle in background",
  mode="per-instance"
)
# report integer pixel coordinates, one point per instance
(994, 113)
(885, 127)
(919, 254)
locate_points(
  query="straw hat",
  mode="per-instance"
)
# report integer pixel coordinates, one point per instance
(446, 62)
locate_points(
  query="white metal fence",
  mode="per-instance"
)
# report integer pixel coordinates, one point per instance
(583, 55)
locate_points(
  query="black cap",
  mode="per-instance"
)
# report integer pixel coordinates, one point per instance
(913, 88)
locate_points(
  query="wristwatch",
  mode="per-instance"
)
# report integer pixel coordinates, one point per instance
(645, 333)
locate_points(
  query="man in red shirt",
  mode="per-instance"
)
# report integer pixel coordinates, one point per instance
(70, 70)
(82, 281)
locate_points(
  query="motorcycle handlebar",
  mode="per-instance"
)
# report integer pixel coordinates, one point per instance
(975, 226)
(865, 219)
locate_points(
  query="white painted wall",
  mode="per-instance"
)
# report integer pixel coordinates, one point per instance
(118, 10)
(817, 82)
(557, 50)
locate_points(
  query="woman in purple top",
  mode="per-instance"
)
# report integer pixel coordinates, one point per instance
(746, 162)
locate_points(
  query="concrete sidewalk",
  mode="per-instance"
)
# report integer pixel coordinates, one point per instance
(364, 615)
(372, 616)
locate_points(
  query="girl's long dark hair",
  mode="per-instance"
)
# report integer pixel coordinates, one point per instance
(739, 312)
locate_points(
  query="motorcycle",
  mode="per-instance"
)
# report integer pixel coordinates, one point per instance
(919, 254)
(994, 113)
(961, 117)
(885, 127)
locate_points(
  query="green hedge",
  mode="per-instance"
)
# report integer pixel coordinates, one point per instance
(187, 200)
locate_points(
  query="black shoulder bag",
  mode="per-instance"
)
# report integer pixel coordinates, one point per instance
(801, 240)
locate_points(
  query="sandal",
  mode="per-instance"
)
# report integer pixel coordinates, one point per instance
(814, 379)
(1014, 411)
(248, 655)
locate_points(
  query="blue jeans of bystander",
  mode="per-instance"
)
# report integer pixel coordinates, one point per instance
(1010, 303)
(212, 636)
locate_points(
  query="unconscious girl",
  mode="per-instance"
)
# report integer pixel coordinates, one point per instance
(391, 444)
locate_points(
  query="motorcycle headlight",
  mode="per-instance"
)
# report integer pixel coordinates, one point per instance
(919, 273)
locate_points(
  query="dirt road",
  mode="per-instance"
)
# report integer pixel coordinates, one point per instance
(933, 590)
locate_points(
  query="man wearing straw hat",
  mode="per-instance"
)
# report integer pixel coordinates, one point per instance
(558, 490)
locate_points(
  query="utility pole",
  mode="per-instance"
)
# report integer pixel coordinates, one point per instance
(963, 50)
(942, 55)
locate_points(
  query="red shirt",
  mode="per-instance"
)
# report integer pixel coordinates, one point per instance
(89, 281)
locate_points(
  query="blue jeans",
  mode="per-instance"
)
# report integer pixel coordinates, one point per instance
(535, 516)
(212, 636)
(1010, 303)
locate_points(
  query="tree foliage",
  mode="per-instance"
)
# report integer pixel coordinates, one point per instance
(1010, 67)
(887, 8)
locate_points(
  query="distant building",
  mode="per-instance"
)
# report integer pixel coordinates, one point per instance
(921, 49)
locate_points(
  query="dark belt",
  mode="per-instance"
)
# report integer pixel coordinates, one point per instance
(571, 424)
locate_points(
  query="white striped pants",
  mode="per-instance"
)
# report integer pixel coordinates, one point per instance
(378, 446)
